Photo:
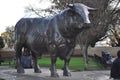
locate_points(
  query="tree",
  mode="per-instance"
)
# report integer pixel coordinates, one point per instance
(36, 10)
(1, 42)
(8, 36)
(115, 30)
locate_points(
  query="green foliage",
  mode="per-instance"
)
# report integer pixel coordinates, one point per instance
(1, 42)
(8, 36)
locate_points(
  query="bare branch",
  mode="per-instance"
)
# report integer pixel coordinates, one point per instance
(114, 10)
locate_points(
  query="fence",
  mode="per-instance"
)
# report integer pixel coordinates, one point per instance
(97, 50)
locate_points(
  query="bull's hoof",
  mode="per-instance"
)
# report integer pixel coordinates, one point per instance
(66, 74)
(38, 71)
(54, 75)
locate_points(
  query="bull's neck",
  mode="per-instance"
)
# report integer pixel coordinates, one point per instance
(66, 28)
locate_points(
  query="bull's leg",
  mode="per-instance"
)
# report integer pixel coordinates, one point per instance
(66, 71)
(85, 61)
(85, 56)
(53, 66)
(18, 52)
(36, 66)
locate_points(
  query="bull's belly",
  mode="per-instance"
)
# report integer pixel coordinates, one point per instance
(39, 47)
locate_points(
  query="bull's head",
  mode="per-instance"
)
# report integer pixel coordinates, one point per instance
(81, 9)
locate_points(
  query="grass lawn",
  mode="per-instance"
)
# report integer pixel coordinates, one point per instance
(75, 63)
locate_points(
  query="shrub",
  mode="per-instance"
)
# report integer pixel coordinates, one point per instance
(1, 42)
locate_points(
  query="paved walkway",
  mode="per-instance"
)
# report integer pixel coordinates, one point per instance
(8, 73)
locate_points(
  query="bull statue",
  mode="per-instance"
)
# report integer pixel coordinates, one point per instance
(55, 35)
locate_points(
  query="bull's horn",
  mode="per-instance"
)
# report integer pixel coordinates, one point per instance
(89, 8)
(70, 5)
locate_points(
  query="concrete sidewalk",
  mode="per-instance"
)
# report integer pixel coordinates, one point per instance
(8, 73)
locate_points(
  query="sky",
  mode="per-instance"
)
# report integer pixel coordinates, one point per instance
(13, 10)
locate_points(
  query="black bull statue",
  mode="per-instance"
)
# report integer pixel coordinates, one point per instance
(55, 35)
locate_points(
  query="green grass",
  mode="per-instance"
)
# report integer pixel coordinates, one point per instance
(75, 63)
(6, 63)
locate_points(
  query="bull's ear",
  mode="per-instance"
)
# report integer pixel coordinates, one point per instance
(70, 6)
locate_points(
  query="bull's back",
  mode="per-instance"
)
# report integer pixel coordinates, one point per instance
(25, 25)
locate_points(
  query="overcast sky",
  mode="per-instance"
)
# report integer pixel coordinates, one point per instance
(12, 10)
